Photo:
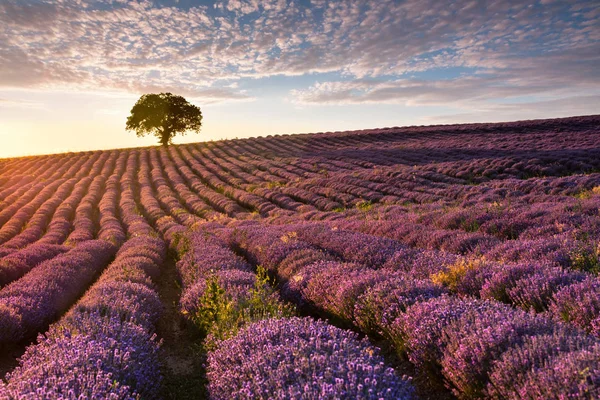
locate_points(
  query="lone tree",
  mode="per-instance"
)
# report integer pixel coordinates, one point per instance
(164, 115)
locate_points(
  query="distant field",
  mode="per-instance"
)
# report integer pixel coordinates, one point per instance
(326, 265)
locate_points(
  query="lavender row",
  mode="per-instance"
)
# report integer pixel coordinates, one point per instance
(193, 175)
(61, 224)
(163, 209)
(238, 174)
(171, 199)
(389, 303)
(38, 212)
(185, 193)
(518, 219)
(17, 264)
(312, 277)
(218, 286)
(63, 221)
(157, 217)
(369, 250)
(130, 214)
(56, 169)
(314, 359)
(486, 349)
(111, 228)
(562, 249)
(568, 295)
(399, 227)
(86, 222)
(234, 187)
(233, 175)
(105, 346)
(231, 166)
(32, 302)
(246, 199)
(300, 358)
(18, 218)
(14, 187)
(38, 225)
(215, 184)
(148, 200)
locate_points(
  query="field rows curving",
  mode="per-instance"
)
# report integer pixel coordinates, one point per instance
(328, 265)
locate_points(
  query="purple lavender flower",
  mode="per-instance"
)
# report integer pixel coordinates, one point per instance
(298, 259)
(69, 361)
(126, 300)
(535, 291)
(510, 372)
(573, 375)
(505, 277)
(289, 358)
(480, 336)
(22, 261)
(333, 286)
(237, 284)
(419, 330)
(578, 303)
(29, 304)
(382, 303)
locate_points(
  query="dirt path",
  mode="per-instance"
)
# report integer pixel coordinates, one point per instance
(182, 359)
(9, 355)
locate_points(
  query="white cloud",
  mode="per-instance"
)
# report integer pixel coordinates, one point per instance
(17, 103)
(114, 44)
(575, 105)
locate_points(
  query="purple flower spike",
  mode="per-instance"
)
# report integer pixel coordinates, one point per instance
(301, 358)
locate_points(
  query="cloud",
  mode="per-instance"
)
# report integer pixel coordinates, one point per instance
(570, 106)
(17, 103)
(525, 46)
(205, 95)
(465, 92)
(29, 15)
(19, 69)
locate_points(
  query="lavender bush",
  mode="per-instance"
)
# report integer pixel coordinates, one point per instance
(20, 262)
(300, 358)
(105, 346)
(31, 303)
(509, 374)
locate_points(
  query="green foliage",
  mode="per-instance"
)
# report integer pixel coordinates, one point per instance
(586, 258)
(587, 194)
(182, 243)
(470, 225)
(220, 316)
(453, 275)
(164, 115)
(178, 211)
(214, 307)
(364, 205)
(274, 184)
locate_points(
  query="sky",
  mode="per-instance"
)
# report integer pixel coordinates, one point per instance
(71, 70)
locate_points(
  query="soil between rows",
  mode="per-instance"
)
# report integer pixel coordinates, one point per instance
(182, 357)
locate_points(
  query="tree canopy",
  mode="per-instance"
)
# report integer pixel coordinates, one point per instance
(164, 115)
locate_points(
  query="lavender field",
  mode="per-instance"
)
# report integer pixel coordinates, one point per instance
(435, 262)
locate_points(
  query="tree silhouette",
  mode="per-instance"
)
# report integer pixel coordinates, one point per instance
(164, 115)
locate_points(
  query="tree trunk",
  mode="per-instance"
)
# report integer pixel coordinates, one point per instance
(165, 137)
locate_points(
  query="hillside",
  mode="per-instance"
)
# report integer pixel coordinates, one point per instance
(468, 254)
